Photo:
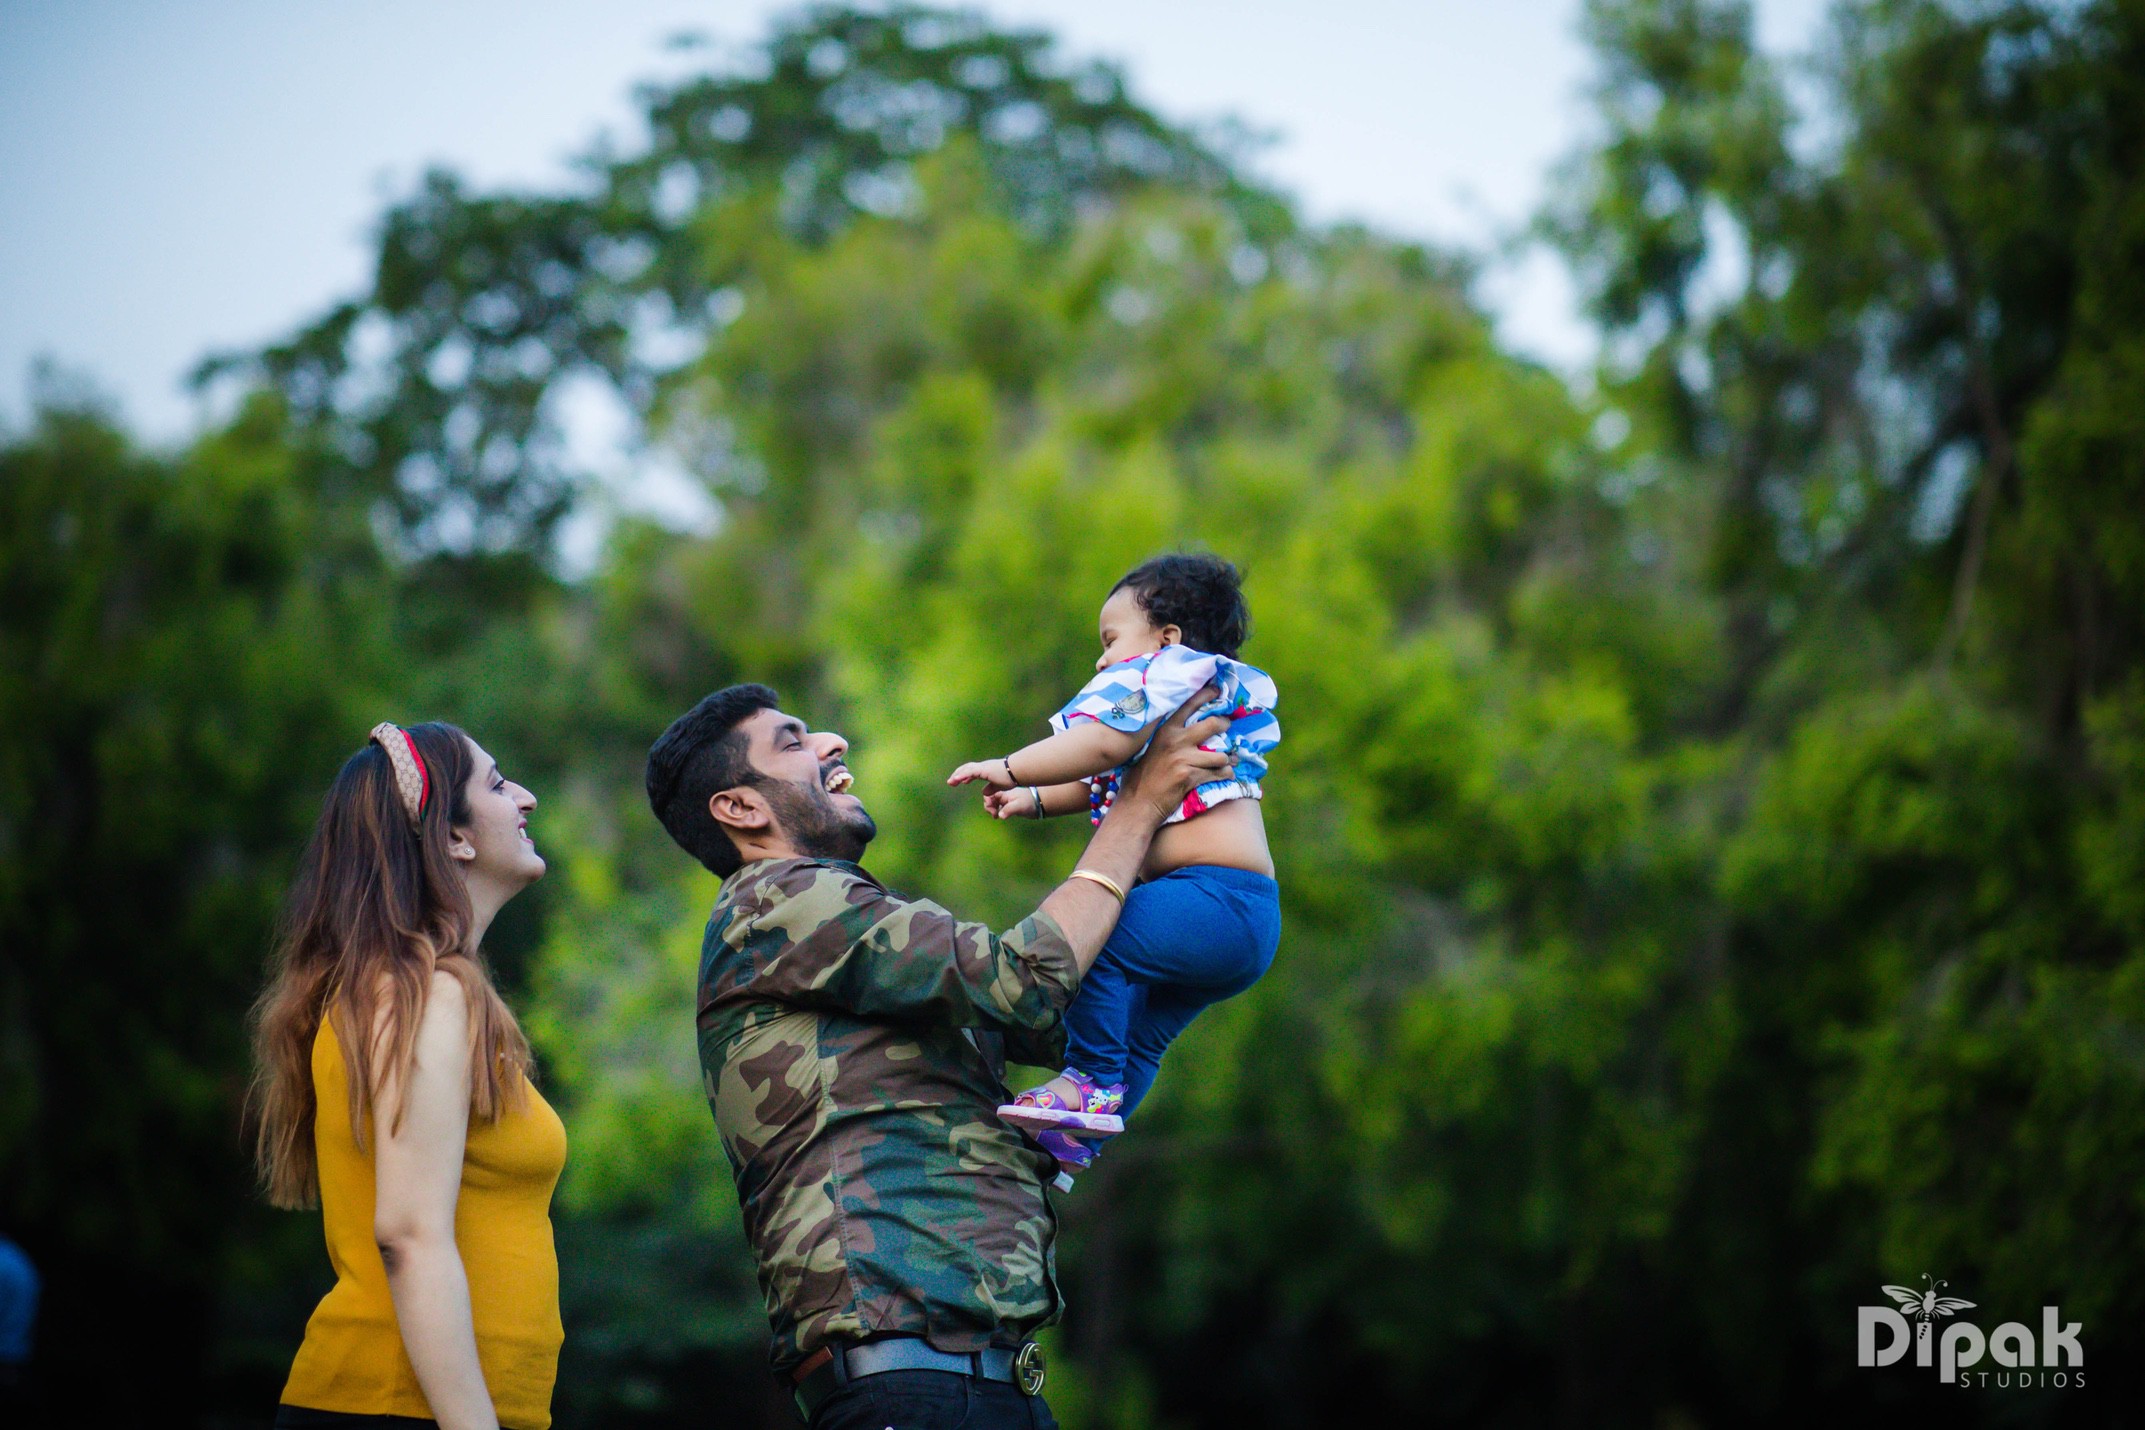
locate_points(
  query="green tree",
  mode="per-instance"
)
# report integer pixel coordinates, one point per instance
(1711, 808)
(188, 644)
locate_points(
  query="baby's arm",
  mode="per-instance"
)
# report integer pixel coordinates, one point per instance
(1020, 803)
(1088, 748)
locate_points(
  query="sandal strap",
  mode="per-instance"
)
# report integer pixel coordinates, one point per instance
(1044, 1098)
(1093, 1097)
(1073, 1152)
(1098, 1098)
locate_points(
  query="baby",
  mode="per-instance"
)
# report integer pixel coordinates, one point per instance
(1204, 920)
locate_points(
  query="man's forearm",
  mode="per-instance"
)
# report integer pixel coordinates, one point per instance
(1085, 910)
(1153, 786)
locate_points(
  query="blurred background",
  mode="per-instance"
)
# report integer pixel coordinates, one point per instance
(1689, 462)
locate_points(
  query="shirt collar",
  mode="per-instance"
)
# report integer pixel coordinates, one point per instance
(746, 873)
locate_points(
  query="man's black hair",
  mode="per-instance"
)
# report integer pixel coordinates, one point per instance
(1199, 594)
(702, 754)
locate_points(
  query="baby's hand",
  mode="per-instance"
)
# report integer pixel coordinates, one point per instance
(991, 772)
(1009, 804)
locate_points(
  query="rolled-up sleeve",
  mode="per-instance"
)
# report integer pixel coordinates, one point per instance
(822, 936)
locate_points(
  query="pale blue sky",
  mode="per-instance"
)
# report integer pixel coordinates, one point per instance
(178, 176)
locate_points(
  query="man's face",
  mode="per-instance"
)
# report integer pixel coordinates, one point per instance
(797, 766)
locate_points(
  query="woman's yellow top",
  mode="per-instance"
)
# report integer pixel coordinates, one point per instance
(353, 1359)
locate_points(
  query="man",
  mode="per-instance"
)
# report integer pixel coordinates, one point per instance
(853, 1047)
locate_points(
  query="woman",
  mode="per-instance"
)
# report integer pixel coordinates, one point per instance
(392, 1086)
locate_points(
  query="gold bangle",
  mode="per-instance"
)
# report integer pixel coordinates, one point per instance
(1103, 879)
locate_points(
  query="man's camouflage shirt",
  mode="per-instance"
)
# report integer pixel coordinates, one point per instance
(852, 1043)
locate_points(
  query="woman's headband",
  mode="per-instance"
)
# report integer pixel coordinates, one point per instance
(412, 780)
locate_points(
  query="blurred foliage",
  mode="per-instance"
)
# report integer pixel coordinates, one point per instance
(1712, 818)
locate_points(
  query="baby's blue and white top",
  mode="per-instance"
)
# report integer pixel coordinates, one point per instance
(1134, 693)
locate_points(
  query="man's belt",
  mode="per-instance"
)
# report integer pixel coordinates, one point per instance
(834, 1365)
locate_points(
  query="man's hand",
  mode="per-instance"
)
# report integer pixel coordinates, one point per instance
(1153, 789)
(1174, 764)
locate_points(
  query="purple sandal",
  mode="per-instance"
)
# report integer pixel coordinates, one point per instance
(1041, 1110)
(1075, 1153)
(1072, 1134)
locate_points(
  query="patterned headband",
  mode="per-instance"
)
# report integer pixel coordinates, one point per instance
(412, 780)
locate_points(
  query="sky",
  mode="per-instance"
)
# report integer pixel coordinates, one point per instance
(179, 177)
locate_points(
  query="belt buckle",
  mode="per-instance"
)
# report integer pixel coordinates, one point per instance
(1028, 1369)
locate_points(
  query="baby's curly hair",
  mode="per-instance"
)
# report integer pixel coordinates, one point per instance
(1199, 594)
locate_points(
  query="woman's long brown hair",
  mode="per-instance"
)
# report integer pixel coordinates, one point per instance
(375, 910)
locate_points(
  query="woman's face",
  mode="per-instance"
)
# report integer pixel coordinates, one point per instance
(494, 845)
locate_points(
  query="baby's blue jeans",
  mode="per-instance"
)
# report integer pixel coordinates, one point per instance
(1186, 941)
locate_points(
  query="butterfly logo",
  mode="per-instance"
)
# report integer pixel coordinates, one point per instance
(1927, 1305)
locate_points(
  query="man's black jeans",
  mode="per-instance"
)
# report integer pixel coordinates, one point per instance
(931, 1400)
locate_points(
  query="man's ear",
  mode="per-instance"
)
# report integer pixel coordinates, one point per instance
(741, 807)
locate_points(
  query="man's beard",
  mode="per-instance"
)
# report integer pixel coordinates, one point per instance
(817, 827)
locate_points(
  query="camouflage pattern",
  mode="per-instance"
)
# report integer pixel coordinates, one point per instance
(846, 1041)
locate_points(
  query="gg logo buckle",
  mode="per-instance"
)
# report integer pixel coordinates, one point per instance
(1028, 1369)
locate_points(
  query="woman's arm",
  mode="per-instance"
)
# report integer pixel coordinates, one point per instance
(1020, 803)
(418, 1176)
(1088, 748)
